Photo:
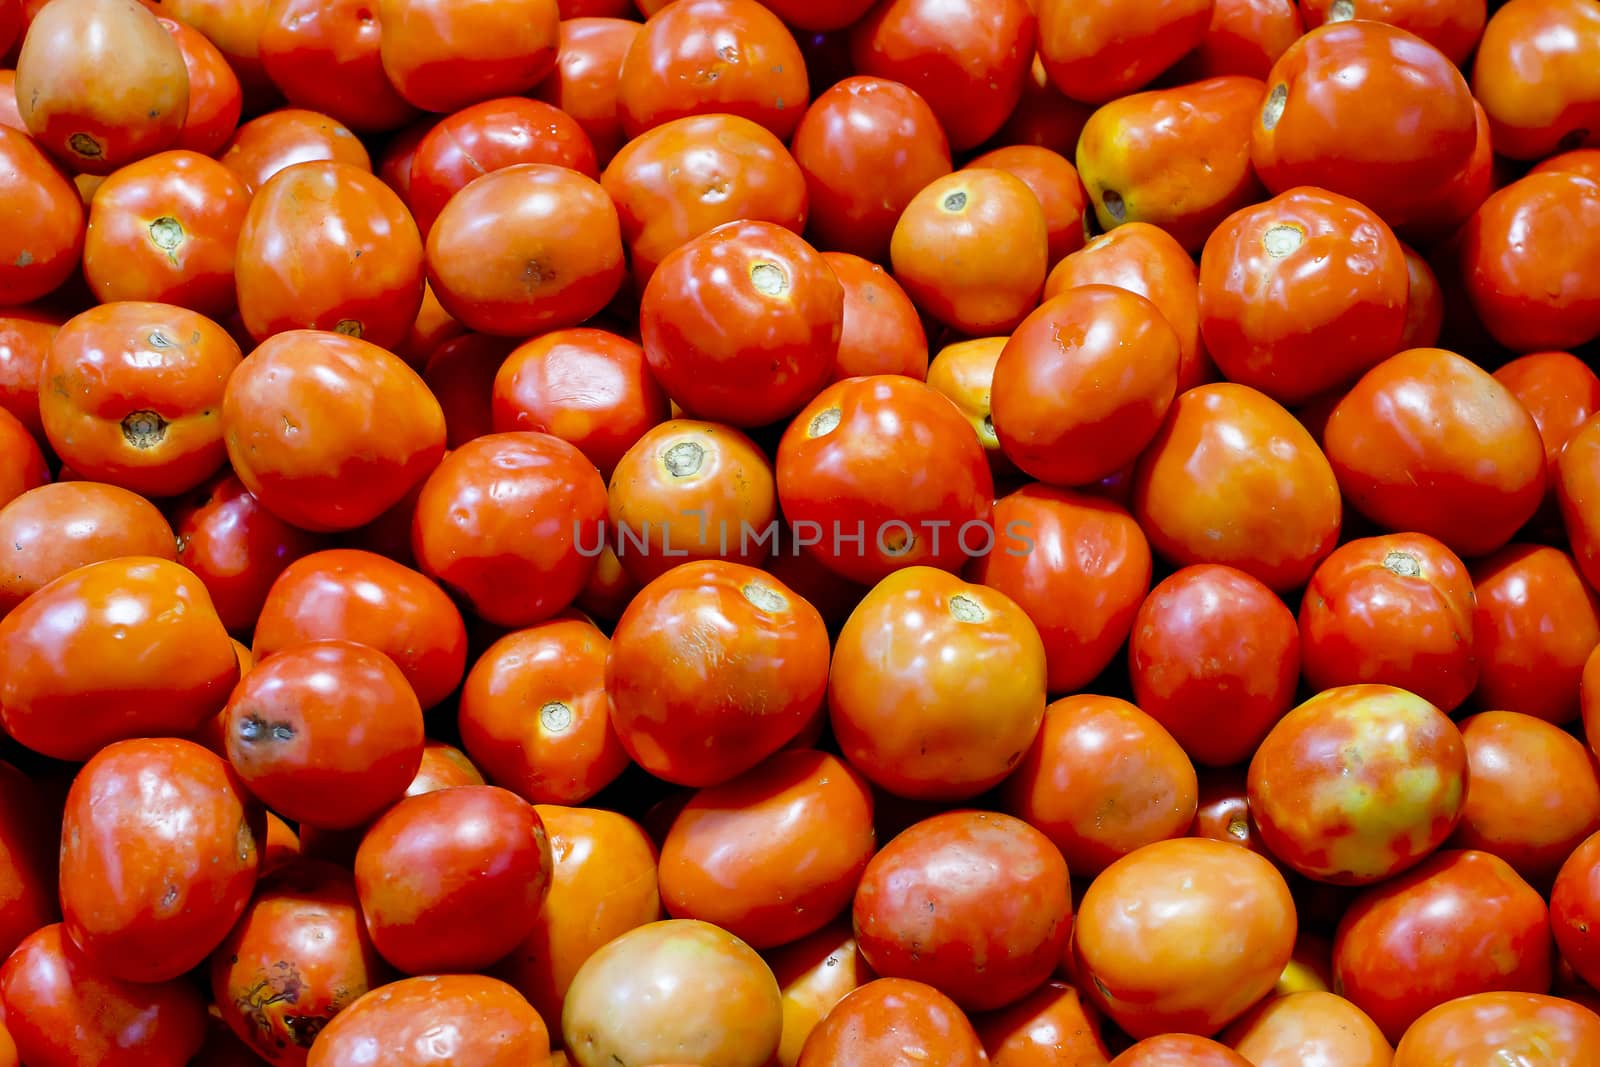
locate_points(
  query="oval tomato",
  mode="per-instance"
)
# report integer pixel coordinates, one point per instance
(1507, 1026)
(882, 332)
(1102, 50)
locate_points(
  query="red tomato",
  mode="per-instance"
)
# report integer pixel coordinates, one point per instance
(1454, 202)
(41, 219)
(1535, 623)
(460, 374)
(1245, 37)
(25, 337)
(1179, 1050)
(511, 522)
(1537, 72)
(1214, 656)
(1460, 923)
(445, 54)
(29, 853)
(324, 57)
(1424, 303)
(1309, 1028)
(893, 1022)
(1358, 783)
(815, 973)
(714, 667)
(216, 97)
(585, 82)
(1481, 1028)
(1043, 116)
(1585, 161)
(22, 465)
(1054, 180)
(1102, 51)
(234, 26)
(1451, 26)
(280, 139)
(1051, 1027)
(882, 332)
(123, 648)
(1560, 392)
(434, 1021)
(1575, 909)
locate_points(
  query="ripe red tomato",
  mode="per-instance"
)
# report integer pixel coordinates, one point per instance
(1245, 37)
(714, 666)
(879, 1021)
(1575, 909)
(1054, 180)
(1179, 1050)
(25, 336)
(235, 28)
(1451, 26)
(1585, 161)
(1051, 1027)
(325, 57)
(432, 1021)
(882, 332)
(584, 84)
(216, 97)
(22, 465)
(1535, 624)
(279, 139)
(1358, 783)
(1309, 1027)
(1424, 303)
(1103, 50)
(1460, 923)
(1537, 74)
(814, 974)
(460, 374)
(1560, 392)
(444, 54)
(1507, 1026)
(30, 848)
(41, 220)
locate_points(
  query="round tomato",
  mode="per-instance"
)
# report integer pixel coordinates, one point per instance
(25, 336)
(1575, 909)
(279, 139)
(445, 54)
(1306, 1028)
(1535, 624)
(435, 1021)
(324, 57)
(882, 332)
(1509, 1027)
(30, 847)
(815, 973)
(1054, 180)
(894, 1022)
(43, 221)
(1051, 1027)
(1179, 1050)
(1245, 37)
(585, 82)
(216, 97)
(1537, 71)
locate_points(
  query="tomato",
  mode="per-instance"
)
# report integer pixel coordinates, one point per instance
(1102, 51)
(302, 437)
(29, 853)
(1358, 783)
(1179, 1050)
(235, 27)
(1083, 384)
(123, 648)
(1530, 301)
(435, 1021)
(1309, 1027)
(42, 220)
(1429, 442)
(1245, 38)
(1318, 125)
(511, 523)
(1451, 26)
(525, 249)
(714, 666)
(1050, 1027)
(63, 1011)
(1536, 623)
(1560, 392)
(585, 83)
(1214, 657)
(1536, 73)
(1460, 923)
(1424, 303)
(1574, 907)
(216, 97)
(971, 250)
(22, 465)
(453, 880)
(445, 54)
(1512, 1027)
(1183, 935)
(628, 1003)
(1054, 180)
(1302, 294)
(893, 1022)
(742, 324)
(1585, 161)
(1043, 116)
(460, 374)
(866, 146)
(324, 57)
(100, 83)
(280, 139)
(298, 957)
(9, 115)
(25, 337)
(1223, 444)
(881, 332)
(815, 973)
(54, 529)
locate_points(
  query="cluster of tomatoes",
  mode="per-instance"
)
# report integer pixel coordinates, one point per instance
(799, 533)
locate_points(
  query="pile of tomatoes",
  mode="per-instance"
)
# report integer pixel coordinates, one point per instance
(799, 533)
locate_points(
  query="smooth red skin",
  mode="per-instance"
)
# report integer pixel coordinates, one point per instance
(279, 139)
(1534, 793)
(1535, 73)
(22, 464)
(432, 328)
(9, 115)
(1299, 325)
(1428, 442)
(432, 1021)
(584, 83)
(1393, 159)
(730, 57)
(299, 955)
(63, 1011)
(511, 523)
(1578, 493)
(1097, 52)
(57, 528)
(1450, 205)
(1214, 656)
(1083, 384)
(882, 331)
(1535, 623)
(1559, 391)
(659, 179)
(216, 98)
(724, 348)
(1460, 923)
(1393, 610)
(1535, 302)
(324, 57)
(1334, 787)
(1510, 1027)
(234, 26)
(968, 60)
(453, 880)
(866, 146)
(1179, 1050)
(42, 214)
(69, 681)
(1079, 566)
(814, 20)
(1424, 303)
(25, 336)
(460, 374)
(393, 165)
(881, 1020)
(443, 56)
(1222, 812)
(305, 230)
(29, 853)
(145, 900)
(1451, 26)
(591, 388)
(372, 430)
(1043, 116)
(487, 137)
(861, 473)
(1575, 909)
(1245, 38)
(1050, 1027)
(1584, 161)
(1054, 180)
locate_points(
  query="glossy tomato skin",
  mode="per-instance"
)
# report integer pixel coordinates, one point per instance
(878, 1021)
(1535, 72)
(1514, 1027)
(1179, 1050)
(1245, 38)
(1394, 610)
(1315, 779)
(1224, 443)
(117, 649)
(329, 431)
(434, 1020)
(963, 372)
(296, 267)
(324, 57)
(166, 229)
(1462, 922)
(453, 880)
(1305, 1027)
(279, 139)
(25, 336)
(145, 904)
(1053, 1025)
(814, 974)
(714, 666)
(1100, 51)
(741, 325)
(1535, 623)
(1575, 908)
(882, 332)
(1412, 443)
(64, 1011)
(1302, 294)
(585, 82)
(869, 501)
(444, 56)
(1559, 391)
(57, 528)
(1452, 27)
(29, 856)
(1214, 656)
(22, 464)
(511, 522)
(216, 98)
(1183, 935)
(43, 217)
